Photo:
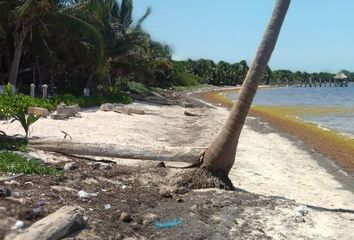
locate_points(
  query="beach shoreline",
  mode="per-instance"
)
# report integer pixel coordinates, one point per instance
(276, 173)
(335, 146)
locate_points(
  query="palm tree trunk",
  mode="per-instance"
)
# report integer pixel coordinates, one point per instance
(20, 39)
(220, 156)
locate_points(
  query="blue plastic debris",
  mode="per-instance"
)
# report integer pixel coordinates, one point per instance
(168, 224)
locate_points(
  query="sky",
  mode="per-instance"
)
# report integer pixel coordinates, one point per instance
(317, 35)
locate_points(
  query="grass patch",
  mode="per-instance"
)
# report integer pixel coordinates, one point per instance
(11, 162)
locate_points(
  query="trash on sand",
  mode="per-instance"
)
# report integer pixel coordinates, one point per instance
(12, 182)
(37, 210)
(300, 213)
(107, 206)
(301, 210)
(18, 225)
(125, 217)
(85, 195)
(5, 192)
(40, 203)
(168, 224)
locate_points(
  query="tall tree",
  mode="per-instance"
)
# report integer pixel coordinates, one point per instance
(220, 156)
(31, 17)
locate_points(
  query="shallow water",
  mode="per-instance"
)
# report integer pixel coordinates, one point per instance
(329, 107)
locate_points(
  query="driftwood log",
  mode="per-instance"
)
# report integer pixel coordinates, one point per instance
(57, 225)
(181, 154)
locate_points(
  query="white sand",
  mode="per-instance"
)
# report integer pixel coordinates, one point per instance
(266, 163)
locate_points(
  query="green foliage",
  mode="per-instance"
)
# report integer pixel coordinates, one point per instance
(207, 71)
(92, 101)
(26, 120)
(10, 105)
(138, 88)
(185, 79)
(9, 90)
(15, 163)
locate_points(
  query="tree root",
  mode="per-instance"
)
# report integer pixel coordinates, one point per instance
(202, 178)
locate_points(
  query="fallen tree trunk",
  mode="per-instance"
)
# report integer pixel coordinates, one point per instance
(57, 225)
(183, 154)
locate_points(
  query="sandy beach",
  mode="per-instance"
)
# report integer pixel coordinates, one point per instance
(268, 162)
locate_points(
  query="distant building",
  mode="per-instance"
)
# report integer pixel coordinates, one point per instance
(341, 80)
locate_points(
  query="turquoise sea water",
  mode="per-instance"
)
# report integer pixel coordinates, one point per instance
(329, 107)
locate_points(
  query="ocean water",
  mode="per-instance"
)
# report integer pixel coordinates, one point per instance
(328, 107)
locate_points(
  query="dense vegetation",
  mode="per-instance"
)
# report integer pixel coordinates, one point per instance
(223, 73)
(75, 44)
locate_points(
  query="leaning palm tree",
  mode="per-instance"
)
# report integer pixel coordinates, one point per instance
(220, 156)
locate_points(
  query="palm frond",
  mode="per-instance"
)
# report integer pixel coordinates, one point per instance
(142, 19)
(5, 6)
(25, 8)
(79, 26)
(125, 14)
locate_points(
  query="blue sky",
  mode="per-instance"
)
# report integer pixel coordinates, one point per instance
(318, 35)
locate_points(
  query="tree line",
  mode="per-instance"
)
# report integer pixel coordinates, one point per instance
(233, 74)
(75, 44)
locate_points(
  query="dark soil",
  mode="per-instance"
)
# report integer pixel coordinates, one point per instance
(209, 214)
(118, 187)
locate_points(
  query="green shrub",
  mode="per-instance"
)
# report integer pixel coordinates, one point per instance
(26, 120)
(138, 88)
(11, 105)
(9, 89)
(185, 79)
(91, 101)
(11, 162)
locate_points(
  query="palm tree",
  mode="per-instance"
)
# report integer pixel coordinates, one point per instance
(220, 156)
(29, 16)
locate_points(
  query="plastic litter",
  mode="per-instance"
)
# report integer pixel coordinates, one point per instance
(85, 195)
(18, 225)
(37, 210)
(301, 210)
(168, 224)
(300, 213)
(40, 203)
(107, 206)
